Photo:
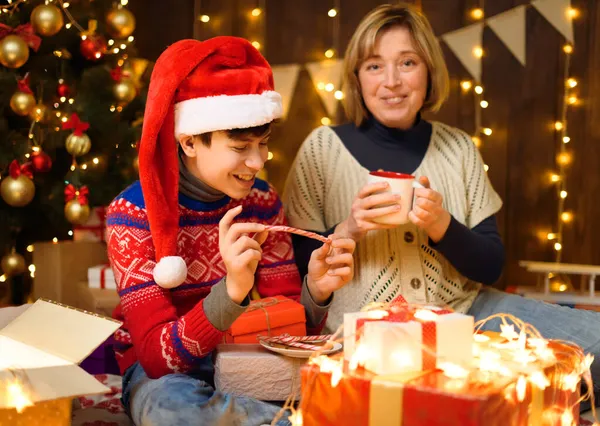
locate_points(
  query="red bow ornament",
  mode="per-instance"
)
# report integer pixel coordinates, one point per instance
(24, 31)
(23, 85)
(15, 170)
(117, 74)
(81, 194)
(76, 124)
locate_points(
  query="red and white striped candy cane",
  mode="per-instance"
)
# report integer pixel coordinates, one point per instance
(298, 232)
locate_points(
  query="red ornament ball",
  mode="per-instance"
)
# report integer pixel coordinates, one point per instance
(93, 48)
(63, 90)
(41, 162)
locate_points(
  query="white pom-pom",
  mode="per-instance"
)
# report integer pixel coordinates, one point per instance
(170, 272)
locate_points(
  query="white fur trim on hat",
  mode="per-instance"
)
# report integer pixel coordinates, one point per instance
(209, 114)
(170, 272)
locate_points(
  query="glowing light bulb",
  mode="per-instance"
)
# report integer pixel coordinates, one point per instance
(477, 141)
(484, 104)
(339, 95)
(477, 13)
(566, 139)
(478, 51)
(566, 217)
(551, 236)
(478, 90)
(557, 246)
(466, 85)
(487, 131)
(204, 18)
(554, 178)
(256, 11)
(571, 82)
(332, 13)
(563, 194)
(329, 53)
(568, 49)
(558, 125)
(325, 121)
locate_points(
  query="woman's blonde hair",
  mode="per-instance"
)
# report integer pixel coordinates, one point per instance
(362, 44)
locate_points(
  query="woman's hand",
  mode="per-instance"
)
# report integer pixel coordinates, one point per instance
(365, 209)
(330, 268)
(240, 253)
(427, 212)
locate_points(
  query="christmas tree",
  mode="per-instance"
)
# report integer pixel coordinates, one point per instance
(72, 93)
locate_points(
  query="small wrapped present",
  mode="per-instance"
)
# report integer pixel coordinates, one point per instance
(101, 276)
(268, 317)
(94, 228)
(407, 337)
(253, 371)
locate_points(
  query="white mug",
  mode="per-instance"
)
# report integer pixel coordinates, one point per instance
(401, 184)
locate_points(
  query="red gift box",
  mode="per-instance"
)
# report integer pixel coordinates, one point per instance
(268, 317)
(431, 398)
(94, 228)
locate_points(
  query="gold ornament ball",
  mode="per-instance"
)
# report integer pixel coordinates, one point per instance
(17, 192)
(120, 23)
(124, 91)
(22, 103)
(14, 52)
(76, 213)
(78, 145)
(39, 113)
(13, 264)
(47, 20)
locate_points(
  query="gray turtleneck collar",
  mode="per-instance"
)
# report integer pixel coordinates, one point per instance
(194, 188)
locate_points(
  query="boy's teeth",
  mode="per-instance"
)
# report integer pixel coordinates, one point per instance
(245, 177)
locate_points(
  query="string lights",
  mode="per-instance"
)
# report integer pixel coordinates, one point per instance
(478, 14)
(330, 53)
(564, 157)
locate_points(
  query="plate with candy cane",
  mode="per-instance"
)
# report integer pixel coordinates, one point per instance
(300, 346)
(296, 231)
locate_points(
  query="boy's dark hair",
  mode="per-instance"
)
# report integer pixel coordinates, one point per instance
(238, 134)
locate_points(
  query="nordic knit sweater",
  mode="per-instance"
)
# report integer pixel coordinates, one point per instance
(169, 330)
(321, 187)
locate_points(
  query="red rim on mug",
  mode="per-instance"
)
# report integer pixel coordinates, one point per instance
(391, 175)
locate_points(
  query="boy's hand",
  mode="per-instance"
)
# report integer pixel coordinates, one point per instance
(330, 268)
(240, 253)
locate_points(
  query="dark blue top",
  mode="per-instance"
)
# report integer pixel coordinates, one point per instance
(476, 253)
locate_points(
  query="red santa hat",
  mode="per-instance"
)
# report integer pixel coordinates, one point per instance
(196, 87)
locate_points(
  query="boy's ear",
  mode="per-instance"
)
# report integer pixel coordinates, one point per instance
(187, 143)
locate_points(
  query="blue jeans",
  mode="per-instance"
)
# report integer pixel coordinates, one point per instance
(552, 321)
(183, 400)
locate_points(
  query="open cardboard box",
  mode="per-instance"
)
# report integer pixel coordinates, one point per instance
(43, 347)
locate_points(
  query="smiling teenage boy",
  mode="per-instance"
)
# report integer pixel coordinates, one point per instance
(188, 242)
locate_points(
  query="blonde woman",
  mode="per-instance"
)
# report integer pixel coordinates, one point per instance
(450, 249)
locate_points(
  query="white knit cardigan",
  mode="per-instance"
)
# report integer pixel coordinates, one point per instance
(318, 195)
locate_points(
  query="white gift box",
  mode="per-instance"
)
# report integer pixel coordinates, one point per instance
(391, 347)
(101, 276)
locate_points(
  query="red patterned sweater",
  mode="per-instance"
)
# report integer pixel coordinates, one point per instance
(168, 330)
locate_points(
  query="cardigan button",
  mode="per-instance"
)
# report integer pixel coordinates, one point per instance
(415, 283)
(409, 237)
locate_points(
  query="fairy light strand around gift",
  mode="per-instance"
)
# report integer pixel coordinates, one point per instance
(518, 352)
